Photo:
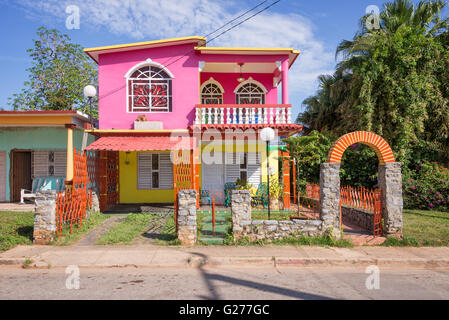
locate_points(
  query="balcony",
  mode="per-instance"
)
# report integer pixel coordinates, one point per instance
(229, 114)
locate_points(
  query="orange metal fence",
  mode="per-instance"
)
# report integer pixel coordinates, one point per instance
(359, 197)
(355, 197)
(183, 176)
(72, 203)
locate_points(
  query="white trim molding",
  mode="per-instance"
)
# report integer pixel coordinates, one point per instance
(251, 80)
(212, 80)
(145, 63)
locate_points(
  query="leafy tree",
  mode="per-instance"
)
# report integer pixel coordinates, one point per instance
(59, 72)
(392, 81)
(308, 151)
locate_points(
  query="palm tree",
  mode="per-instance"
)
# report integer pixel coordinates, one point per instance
(424, 18)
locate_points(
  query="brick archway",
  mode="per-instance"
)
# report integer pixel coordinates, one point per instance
(376, 142)
(389, 179)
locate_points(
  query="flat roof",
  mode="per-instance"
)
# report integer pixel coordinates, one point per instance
(44, 113)
(95, 52)
(42, 117)
(200, 47)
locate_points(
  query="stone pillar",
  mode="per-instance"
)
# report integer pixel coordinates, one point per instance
(187, 226)
(241, 211)
(330, 195)
(390, 182)
(44, 217)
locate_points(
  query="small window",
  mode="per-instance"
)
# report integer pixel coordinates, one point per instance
(250, 93)
(154, 171)
(211, 94)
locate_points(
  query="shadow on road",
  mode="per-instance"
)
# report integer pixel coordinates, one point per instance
(214, 295)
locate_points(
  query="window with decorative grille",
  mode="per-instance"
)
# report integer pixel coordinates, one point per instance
(149, 90)
(211, 94)
(250, 93)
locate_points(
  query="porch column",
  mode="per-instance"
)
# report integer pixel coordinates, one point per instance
(284, 72)
(69, 170)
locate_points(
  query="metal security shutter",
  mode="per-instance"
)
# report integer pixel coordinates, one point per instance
(165, 171)
(2, 176)
(144, 171)
(232, 167)
(60, 163)
(40, 164)
(254, 170)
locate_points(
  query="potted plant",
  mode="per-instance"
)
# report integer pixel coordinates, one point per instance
(276, 190)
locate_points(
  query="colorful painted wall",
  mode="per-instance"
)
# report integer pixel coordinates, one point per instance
(251, 147)
(112, 90)
(229, 82)
(183, 62)
(42, 138)
(129, 193)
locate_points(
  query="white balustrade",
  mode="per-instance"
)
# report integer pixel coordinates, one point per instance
(260, 114)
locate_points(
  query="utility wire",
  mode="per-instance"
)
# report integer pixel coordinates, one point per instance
(214, 38)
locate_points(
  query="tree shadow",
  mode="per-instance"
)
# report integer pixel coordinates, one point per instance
(209, 277)
(26, 231)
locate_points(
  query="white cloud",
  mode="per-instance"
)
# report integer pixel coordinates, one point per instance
(157, 19)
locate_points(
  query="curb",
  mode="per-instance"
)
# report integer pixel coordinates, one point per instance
(12, 261)
(198, 262)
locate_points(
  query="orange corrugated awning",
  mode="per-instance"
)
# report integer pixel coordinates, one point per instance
(142, 144)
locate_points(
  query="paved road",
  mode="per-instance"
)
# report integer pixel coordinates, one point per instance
(222, 283)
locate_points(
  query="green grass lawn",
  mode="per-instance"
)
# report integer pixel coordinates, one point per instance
(168, 234)
(423, 228)
(15, 228)
(67, 239)
(124, 232)
(258, 214)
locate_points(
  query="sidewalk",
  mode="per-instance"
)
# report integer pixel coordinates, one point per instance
(223, 256)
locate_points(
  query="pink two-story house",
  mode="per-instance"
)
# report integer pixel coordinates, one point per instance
(181, 87)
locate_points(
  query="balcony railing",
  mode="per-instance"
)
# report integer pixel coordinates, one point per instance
(243, 114)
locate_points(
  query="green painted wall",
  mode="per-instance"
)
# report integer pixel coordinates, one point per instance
(41, 138)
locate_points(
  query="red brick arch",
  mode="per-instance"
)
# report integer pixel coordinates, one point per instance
(376, 142)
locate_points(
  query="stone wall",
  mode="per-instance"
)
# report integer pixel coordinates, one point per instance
(243, 226)
(44, 217)
(241, 211)
(187, 225)
(390, 182)
(330, 195)
(359, 217)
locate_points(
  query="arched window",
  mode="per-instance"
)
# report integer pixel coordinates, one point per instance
(211, 92)
(250, 92)
(149, 90)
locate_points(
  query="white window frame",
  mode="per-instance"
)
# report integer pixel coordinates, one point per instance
(214, 82)
(149, 63)
(254, 82)
(151, 171)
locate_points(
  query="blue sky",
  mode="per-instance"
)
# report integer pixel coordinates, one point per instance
(314, 27)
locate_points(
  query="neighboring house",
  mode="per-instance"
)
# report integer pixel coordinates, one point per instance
(34, 144)
(183, 87)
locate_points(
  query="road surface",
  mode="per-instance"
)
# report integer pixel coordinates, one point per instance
(221, 283)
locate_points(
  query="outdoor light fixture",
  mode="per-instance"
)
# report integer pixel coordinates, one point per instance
(90, 92)
(127, 162)
(241, 79)
(267, 134)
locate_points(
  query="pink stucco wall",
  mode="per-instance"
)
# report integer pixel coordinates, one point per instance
(112, 88)
(185, 85)
(229, 82)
